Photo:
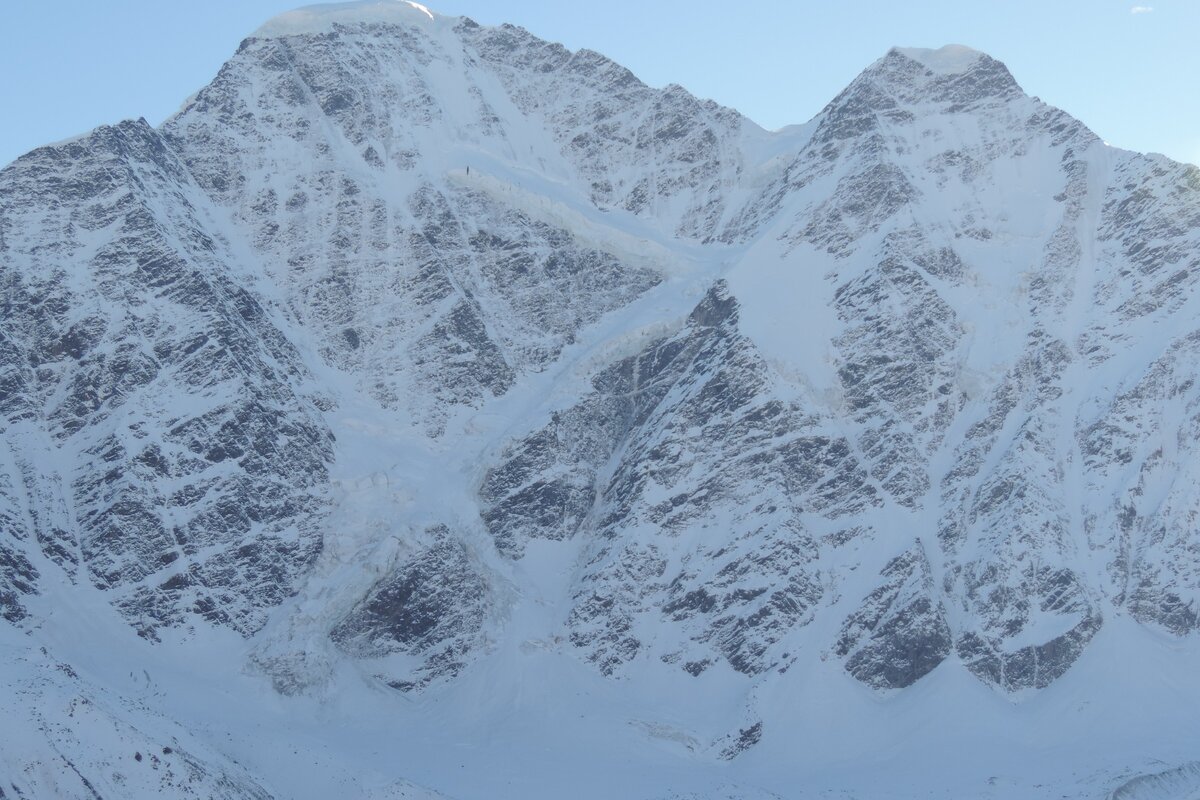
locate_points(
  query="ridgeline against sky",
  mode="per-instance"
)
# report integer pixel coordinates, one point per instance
(1127, 70)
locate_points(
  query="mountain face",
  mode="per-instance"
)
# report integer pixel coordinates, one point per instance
(428, 405)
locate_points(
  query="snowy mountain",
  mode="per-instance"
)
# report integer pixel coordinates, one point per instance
(429, 411)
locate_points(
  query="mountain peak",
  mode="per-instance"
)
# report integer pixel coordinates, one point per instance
(953, 74)
(953, 59)
(320, 18)
(953, 78)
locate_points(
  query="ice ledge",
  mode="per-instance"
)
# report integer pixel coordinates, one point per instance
(949, 60)
(321, 18)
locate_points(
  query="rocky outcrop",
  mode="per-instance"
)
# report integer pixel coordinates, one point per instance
(206, 505)
(899, 633)
(431, 606)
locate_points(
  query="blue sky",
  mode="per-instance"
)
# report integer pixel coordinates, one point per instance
(1128, 69)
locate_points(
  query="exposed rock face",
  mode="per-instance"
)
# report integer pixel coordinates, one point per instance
(912, 386)
(161, 443)
(431, 606)
(432, 294)
(899, 634)
(1152, 536)
(670, 146)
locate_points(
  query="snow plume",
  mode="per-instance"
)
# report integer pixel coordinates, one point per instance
(420, 8)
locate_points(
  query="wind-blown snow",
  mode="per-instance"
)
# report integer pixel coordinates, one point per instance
(948, 60)
(321, 18)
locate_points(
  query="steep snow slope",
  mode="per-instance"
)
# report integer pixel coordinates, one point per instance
(428, 405)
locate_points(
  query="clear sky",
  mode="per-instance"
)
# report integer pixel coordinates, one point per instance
(1130, 70)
